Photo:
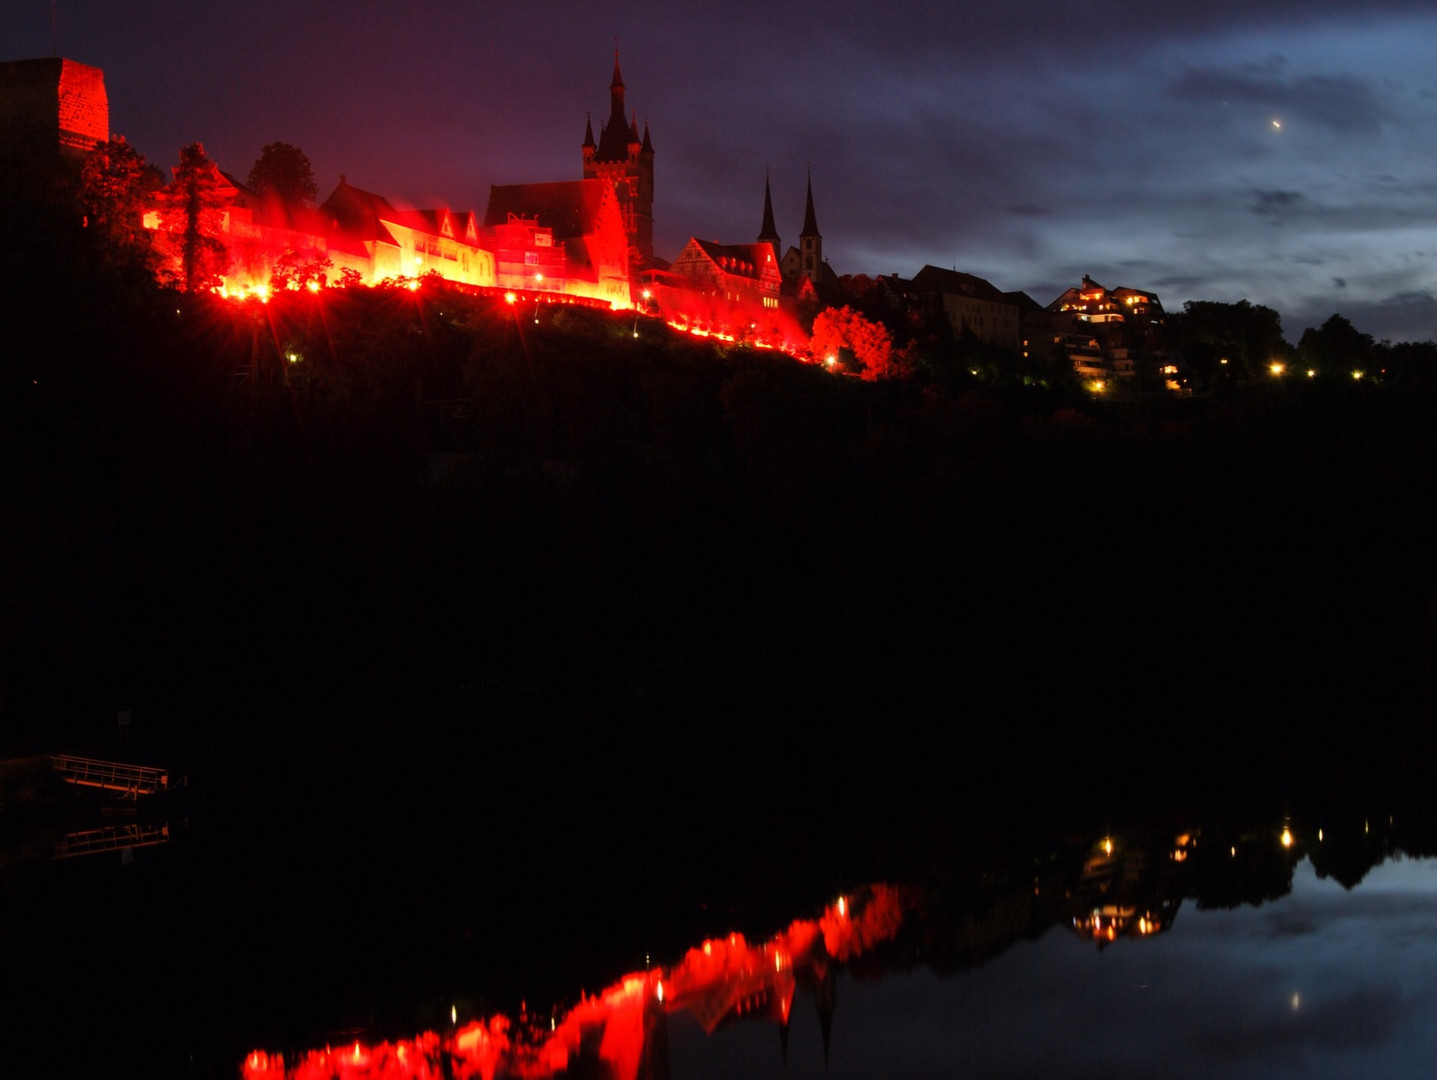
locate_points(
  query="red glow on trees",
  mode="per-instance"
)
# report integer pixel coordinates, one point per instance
(741, 321)
(851, 340)
(192, 221)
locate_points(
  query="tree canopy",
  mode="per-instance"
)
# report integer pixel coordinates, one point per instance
(850, 339)
(194, 215)
(283, 172)
(1335, 347)
(117, 186)
(1230, 340)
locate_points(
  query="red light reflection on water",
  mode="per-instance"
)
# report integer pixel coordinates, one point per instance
(717, 982)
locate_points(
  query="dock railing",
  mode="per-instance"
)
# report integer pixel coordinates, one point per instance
(131, 781)
(111, 838)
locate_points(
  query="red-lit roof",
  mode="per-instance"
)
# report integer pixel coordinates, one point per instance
(741, 260)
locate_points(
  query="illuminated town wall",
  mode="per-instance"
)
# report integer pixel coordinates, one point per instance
(581, 239)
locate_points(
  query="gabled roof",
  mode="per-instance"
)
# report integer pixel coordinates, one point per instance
(768, 231)
(740, 260)
(359, 214)
(441, 222)
(466, 225)
(1023, 301)
(570, 208)
(956, 283)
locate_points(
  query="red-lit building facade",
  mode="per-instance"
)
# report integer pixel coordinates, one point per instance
(572, 228)
(730, 290)
(734, 273)
(370, 236)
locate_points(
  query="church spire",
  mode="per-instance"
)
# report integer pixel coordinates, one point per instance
(623, 157)
(616, 92)
(768, 231)
(810, 242)
(614, 134)
(810, 222)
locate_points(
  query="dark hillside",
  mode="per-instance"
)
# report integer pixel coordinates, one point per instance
(239, 519)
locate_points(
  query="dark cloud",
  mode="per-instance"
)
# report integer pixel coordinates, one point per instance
(1343, 104)
(1408, 316)
(1275, 203)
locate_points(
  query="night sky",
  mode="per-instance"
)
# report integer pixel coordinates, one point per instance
(1281, 152)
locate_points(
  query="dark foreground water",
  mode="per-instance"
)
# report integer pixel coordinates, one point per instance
(827, 935)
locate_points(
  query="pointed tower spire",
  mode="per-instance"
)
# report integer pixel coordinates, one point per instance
(625, 160)
(588, 132)
(614, 133)
(616, 91)
(810, 242)
(768, 231)
(810, 222)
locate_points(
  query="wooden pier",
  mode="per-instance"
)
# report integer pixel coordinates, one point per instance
(129, 781)
(111, 838)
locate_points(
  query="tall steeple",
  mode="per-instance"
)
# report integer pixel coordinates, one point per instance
(768, 231)
(810, 241)
(614, 135)
(625, 158)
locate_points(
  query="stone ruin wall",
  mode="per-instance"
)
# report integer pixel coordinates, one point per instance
(51, 107)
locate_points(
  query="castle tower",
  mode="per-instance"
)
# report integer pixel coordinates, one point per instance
(810, 242)
(53, 112)
(626, 159)
(768, 232)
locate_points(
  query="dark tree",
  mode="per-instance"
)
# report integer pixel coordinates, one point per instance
(117, 187)
(1228, 341)
(1410, 364)
(283, 172)
(1335, 348)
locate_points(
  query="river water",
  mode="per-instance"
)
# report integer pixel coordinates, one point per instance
(385, 944)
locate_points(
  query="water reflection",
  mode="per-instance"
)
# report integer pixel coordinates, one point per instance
(1247, 984)
(61, 806)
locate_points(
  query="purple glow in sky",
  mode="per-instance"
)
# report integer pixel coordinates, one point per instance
(1266, 150)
